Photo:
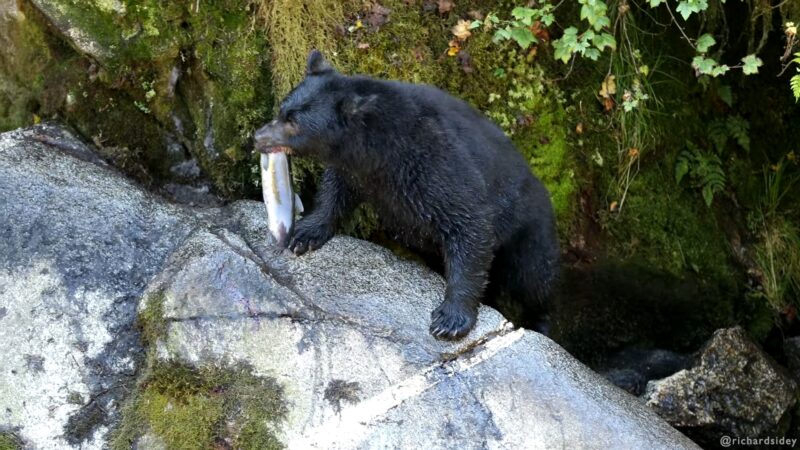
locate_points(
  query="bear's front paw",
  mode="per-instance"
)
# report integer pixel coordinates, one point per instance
(309, 235)
(452, 320)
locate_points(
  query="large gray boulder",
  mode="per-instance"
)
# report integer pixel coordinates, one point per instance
(341, 333)
(78, 243)
(733, 389)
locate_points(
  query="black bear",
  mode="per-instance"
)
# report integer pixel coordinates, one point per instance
(442, 178)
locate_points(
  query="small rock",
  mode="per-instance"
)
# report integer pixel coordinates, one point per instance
(734, 389)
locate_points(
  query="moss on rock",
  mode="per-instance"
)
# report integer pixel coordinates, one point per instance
(188, 407)
(204, 406)
(24, 56)
(151, 322)
(9, 441)
(151, 83)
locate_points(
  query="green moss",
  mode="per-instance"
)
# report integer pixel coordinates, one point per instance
(187, 407)
(9, 441)
(294, 28)
(121, 31)
(181, 423)
(669, 229)
(23, 58)
(197, 407)
(150, 321)
(75, 398)
(227, 92)
(403, 49)
(148, 73)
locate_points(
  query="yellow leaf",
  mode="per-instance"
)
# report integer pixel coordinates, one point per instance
(36, 119)
(453, 48)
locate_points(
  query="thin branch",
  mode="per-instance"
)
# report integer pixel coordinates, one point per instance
(675, 21)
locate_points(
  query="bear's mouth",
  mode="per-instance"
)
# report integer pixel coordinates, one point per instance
(273, 149)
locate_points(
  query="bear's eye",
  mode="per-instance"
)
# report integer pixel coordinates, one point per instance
(288, 116)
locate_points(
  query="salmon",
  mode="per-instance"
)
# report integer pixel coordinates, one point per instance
(281, 202)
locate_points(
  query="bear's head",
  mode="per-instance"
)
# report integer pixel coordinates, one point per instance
(318, 117)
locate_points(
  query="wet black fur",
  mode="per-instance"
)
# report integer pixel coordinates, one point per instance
(442, 178)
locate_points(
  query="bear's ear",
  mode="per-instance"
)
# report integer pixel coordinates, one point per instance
(316, 64)
(358, 105)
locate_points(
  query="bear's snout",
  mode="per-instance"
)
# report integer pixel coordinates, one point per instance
(272, 136)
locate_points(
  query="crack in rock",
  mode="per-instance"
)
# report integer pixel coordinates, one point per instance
(353, 422)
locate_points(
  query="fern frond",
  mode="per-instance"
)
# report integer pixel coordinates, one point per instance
(794, 83)
(739, 129)
(718, 133)
(704, 169)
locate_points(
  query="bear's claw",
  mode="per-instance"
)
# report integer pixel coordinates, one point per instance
(309, 235)
(452, 321)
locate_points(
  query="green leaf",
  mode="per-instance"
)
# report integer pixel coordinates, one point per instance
(592, 53)
(708, 194)
(681, 169)
(571, 34)
(688, 7)
(720, 70)
(705, 42)
(725, 94)
(717, 132)
(567, 45)
(475, 24)
(656, 3)
(595, 12)
(548, 19)
(603, 40)
(751, 64)
(602, 22)
(703, 65)
(501, 34)
(521, 13)
(523, 36)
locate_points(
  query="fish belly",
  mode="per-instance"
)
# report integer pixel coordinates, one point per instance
(276, 183)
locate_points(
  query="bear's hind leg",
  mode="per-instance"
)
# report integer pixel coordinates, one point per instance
(525, 273)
